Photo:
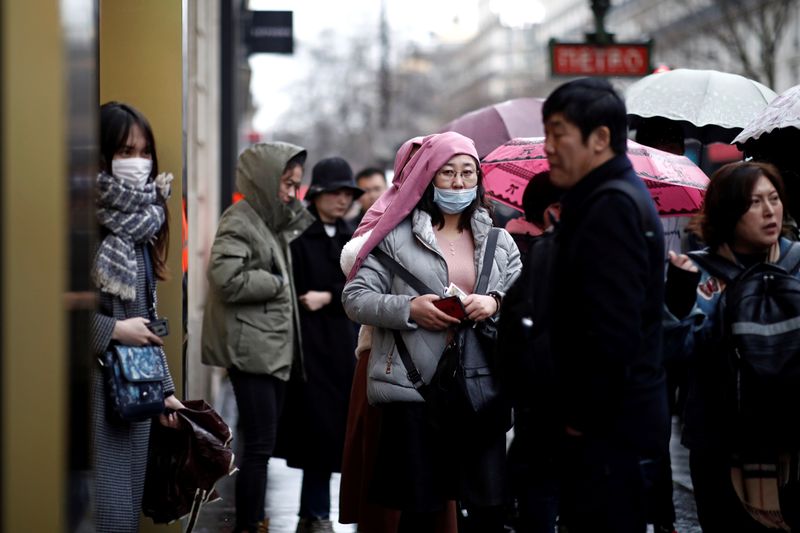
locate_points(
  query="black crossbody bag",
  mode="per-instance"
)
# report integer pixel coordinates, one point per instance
(465, 378)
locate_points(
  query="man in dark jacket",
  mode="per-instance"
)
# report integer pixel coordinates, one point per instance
(606, 335)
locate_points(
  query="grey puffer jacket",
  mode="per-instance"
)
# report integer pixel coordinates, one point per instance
(251, 320)
(375, 298)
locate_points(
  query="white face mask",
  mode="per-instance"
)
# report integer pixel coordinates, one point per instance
(132, 171)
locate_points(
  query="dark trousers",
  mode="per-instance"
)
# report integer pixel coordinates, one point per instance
(537, 501)
(661, 507)
(535, 479)
(482, 520)
(604, 489)
(259, 398)
(411, 522)
(718, 507)
(315, 495)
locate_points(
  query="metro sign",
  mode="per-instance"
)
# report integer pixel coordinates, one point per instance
(589, 59)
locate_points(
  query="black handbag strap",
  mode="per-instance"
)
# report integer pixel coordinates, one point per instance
(488, 257)
(412, 373)
(396, 268)
(790, 261)
(415, 283)
(399, 270)
(716, 265)
(418, 285)
(722, 268)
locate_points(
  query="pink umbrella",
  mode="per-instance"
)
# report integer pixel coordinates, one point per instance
(676, 184)
(493, 125)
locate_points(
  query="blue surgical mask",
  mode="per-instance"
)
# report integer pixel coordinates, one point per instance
(454, 201)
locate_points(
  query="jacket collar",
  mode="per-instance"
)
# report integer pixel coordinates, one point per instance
(317, 227)
(613, 168)
(297, 224)
(480, 224)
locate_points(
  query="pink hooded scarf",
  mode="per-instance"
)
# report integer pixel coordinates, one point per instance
(415, 174)
(375, 212)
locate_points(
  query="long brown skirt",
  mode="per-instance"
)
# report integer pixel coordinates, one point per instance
(358, 462)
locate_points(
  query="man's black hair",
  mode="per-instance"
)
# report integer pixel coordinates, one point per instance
(369, 171)
(590, 103)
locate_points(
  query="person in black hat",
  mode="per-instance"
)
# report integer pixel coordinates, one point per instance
(313, 425)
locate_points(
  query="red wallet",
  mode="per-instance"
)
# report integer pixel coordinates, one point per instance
(452, 306)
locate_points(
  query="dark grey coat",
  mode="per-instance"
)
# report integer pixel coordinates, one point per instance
(119, 449)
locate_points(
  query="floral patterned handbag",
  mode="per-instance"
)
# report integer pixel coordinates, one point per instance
(134, 377)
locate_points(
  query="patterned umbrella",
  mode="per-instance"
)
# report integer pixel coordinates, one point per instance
(675, 183)
(493, 125)
(712, 106)
(782, 112)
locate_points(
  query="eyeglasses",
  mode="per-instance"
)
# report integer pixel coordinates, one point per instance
(467, 175)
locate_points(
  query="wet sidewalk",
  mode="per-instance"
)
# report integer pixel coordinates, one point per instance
(283, 502)
(283, 489)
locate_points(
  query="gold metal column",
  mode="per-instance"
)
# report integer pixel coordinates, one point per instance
(34, 266)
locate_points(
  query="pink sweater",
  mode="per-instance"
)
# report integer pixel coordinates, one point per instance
(460, 258)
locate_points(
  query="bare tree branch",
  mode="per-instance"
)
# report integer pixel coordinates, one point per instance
(741, 20)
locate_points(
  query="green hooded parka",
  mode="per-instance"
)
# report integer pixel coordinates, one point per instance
(251, 319)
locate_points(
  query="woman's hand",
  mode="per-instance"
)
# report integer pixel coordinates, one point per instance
(171, 420)
(315, 300)
(428, 316)
(480, 306)
(682, 261)
(134, 332)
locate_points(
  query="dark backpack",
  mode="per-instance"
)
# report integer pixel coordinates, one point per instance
(760, 329)
(527, 366)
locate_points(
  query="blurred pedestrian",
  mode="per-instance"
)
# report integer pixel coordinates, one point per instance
(606, 323)
(666, 135)
(542, 207)
(661, 133)
(779, 148)
(312, 428)
(372, 181)
(250, 326)
(436, 228)
(741, 221)
(134, 230)
(527, 368)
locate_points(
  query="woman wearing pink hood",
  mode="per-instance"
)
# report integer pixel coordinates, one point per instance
(434, 224)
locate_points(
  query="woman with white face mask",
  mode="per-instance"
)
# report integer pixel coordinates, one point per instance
(131, 256)
(436, 226)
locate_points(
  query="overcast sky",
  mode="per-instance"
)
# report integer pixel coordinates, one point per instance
(409, 20)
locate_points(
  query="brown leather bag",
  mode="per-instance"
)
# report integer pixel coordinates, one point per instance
(185, 463)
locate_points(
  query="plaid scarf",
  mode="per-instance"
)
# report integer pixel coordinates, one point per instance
(132, 217)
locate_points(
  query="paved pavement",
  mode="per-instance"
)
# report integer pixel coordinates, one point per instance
(283, 490)
(682, 495)
(283, 502)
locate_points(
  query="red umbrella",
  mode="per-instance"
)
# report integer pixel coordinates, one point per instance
(493, 125)
(676, 184)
